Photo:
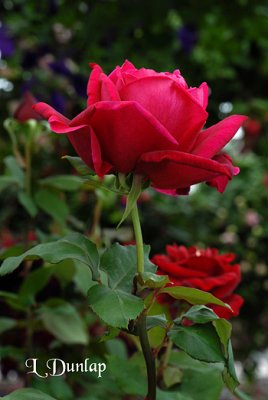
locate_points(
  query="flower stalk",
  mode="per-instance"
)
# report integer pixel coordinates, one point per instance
(141, 325)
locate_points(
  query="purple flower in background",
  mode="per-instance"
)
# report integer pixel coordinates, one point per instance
(6, 44)
(78, 81)
(58, 101)
(188, 38)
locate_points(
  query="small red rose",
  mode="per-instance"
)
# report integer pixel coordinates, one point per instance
(203, 269)
(25, 111)
(148, 123)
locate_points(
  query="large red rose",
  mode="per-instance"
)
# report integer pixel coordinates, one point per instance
(149, 123)
(203, 269)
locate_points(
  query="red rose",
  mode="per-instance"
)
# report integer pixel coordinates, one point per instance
(149, 123)
(252, 127)
(25, 110)
(205, 270)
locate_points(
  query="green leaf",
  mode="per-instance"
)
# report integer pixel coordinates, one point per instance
(128, 374)
(33, 283)
(112, 333)
(6, 324)
(229, 374)
(15, 170)
(132, 197)
(118, 348)
(120, 264)
(115, 307)
(193, 296)
(198, 314)
(28, 394)
(152, 281)
(241, 395)
(82, 277)
(6, 181)
(172, 375)
(224, 330)
(64, 322)
(27, 202)
(156, 336)
(63, 182)
(51, 203)
(79, 165)
(156, 320)
(74, 246)
(199, 341)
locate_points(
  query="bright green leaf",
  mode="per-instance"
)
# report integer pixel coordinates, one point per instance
(193, 296)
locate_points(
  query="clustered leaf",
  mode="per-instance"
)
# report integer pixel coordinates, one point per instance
(208, 340)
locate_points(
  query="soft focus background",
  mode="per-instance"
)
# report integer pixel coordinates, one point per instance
(45, 47)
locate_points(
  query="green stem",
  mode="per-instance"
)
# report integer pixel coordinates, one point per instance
(141, 325)
(138, 238)
(149, 359)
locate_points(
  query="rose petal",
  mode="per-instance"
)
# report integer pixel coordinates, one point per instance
(176, 170)
(100, 87)
(81, 136)
(220, 182)
(235, 302)
(126, 131)
(201, 94)
(212, 140)
(171, 104)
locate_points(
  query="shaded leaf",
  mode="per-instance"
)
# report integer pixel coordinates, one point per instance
(28, 394)
(64, 322)
(51, 203)
(63, 182)
(27, 202)
(6, 324)
(79, 165)
(74, 246)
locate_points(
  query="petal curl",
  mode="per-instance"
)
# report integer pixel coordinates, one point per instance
(177, 170)
(81, 136)
(100, 87)
(212, 140)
